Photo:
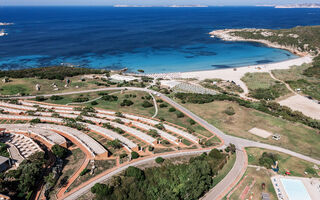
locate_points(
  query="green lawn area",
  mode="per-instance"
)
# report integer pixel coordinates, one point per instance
(296, 166)
(263, 86)
(295, 78)
(294, 136)
(13, 89)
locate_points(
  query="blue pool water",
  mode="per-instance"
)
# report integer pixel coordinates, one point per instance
(295, 189)
(154, 39)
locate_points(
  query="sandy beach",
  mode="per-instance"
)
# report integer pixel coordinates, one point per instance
(235, 74)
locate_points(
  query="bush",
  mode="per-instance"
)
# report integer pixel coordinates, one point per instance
(134, 155)
(109, 98)
(180, 114)
(147, 104)
(192, 122)
(84, 171)
(101, 190)
(80, 99)
(268, 159)
(172, 109)
(159, 160)
(135, 172)
(160, 126)
(126, 102)
(55, 98)
(59, 151)
(163, 105)
(40, 98)
(94, 103)
(230, 111)
(216, 154)
(35, 121)
(154, 133)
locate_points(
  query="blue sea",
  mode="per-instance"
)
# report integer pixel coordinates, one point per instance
(153, 39)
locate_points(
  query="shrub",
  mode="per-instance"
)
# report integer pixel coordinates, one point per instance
(135, 172)
(126, 102)
(192, 122)
(123, 155)
(116, 144)
(230, 111)
(154, 133)
(268, 159)
(84, 171)
(35, 121)
(216, 154)
(159, 160)
(163, 105)
(94, 103)
(160, 126)
(134, 155)
(40, 98)
(147, 104)
(80, 99)
(55, 98)
(109, 98)
(172, 109)
(180, 114)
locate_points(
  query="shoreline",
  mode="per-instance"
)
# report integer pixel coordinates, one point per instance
(226, 36)
(234, 74)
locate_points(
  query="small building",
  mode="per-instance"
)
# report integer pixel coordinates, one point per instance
(5, 163)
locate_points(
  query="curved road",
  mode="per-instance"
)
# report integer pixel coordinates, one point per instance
(234, 175)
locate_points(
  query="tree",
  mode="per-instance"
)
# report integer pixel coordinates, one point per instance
(192, 122)
(55, 98)
(135, 172)
(172, 109)
(59, 151)
(154, 133)
(35, 121)
(216, 154)
(180, 114)
(40, 98)
(134, 155)
(147, 104)
(159, 160)
(102, 191)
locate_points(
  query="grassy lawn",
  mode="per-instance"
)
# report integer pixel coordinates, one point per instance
(296, 166)
(258, 80)
(294, 136)
(261, 83)
(225, 170)
(260, 176)
(295, 78)
(27, 85)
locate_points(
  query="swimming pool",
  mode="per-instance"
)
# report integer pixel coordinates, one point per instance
(295, 189)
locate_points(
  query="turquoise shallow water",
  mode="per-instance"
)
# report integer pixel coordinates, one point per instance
(154, 39)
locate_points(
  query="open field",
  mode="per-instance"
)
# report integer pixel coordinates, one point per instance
(293, 135)
(263, 86)
(297, 80)
(296, 166)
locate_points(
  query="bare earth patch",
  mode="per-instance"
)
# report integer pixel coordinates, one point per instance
(260, 132)
(304, 105)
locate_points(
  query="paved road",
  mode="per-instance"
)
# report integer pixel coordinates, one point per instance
(224, 186)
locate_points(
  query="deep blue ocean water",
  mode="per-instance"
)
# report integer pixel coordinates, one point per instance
(153, 39)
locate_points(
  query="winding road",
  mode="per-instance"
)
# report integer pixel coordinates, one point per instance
(224, 186)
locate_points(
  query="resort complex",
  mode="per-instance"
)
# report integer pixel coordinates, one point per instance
(137, 102)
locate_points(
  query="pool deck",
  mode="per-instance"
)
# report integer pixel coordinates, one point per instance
(312, 185)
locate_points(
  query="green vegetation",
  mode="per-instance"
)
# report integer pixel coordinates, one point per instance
(296, 166)
(134, 155)
(59, 151)
(301, 78)
(262, 86)
(229, 111)
(222, 86)
(14, 89)
(271, 108)
(3, 150)
(84, 171)
(268, 159)
(23, 181)
(293, 135)
(307, 40)
(55, 72)
(159, 160)
(186, 181)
